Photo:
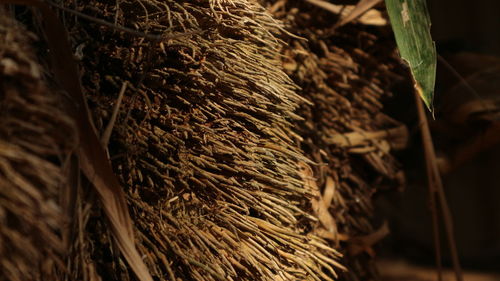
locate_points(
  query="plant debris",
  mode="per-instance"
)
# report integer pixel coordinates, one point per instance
(344, 75)
(36, 139)
(244, 151)
(203, 142)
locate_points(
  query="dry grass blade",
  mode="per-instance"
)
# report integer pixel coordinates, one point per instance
(362, 7)
(336, 9)
(109, 128)
(436, 187)
(93, 161)
(397, 137)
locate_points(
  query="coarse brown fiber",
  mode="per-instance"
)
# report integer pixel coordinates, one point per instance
(245, 152)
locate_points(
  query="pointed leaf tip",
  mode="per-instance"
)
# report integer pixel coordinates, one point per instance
(411, 23)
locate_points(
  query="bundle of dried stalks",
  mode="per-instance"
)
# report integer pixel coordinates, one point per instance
(203, 144)
(36, 137)
(344, 73)
(209, 142)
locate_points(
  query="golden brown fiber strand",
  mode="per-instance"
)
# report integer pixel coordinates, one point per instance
(230, 170)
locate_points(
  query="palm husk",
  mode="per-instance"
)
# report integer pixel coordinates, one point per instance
(203, 143)
(230, 170)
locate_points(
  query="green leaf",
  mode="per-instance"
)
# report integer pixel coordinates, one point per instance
(411, 25)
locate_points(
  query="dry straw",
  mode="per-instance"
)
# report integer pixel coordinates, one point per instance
(345, 73)
(230, 170)
(203, 143)
(36, 138)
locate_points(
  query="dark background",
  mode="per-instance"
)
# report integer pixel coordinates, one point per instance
(473, 189)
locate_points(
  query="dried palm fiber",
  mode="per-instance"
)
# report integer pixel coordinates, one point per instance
(36, 137)
(345, 74)
(203, 144)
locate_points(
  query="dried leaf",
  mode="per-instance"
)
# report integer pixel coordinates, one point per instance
(318, 204)
(397, 137)
(361, 8)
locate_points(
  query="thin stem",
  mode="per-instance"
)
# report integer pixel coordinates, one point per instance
(437, 186)
(432, 192)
